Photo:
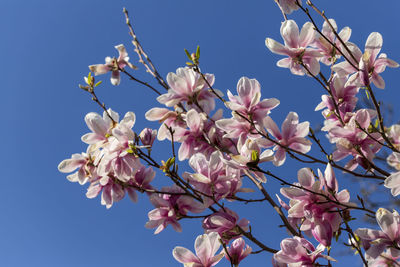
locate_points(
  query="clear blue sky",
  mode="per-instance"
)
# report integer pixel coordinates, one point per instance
(45, 49)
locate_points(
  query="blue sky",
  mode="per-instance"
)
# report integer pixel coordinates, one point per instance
(46, 48)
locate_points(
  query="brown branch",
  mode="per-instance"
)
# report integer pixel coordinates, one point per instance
(142, 54)
(273, 204)
(139, 81)
(249, 236)
(305, 10)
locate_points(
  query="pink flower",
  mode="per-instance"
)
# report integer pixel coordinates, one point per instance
(296, 48)
(293, 136)
(299, 252)
(325, 48)
(170, 208)
(370, 64)
(83, 162)
(289, 6)
(141, 181)
(248, 103)
(236, 128)
(147, 136)
(213, 177)
(111, 191)
(393, 181)
(246, 154)
(350, 136)
(114, 65)
(193, 139)
(385, 260)
(224, 223)
(393, 160)
(189, 86)
(375, 241)
(343, 95)
(166, 117)
(100, 126)
(315, 213)
(118, 155)
(237, 251)
(394, 135)
(205, 246)
(277, 263)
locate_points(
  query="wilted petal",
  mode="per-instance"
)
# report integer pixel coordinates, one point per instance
(99, 69)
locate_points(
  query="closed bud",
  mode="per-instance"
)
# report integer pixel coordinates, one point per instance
(147, 136)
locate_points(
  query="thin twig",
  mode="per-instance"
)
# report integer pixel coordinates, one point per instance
(142, 54)
(273, 204)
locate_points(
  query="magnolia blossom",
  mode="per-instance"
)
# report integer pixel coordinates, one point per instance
(119, 157)
(385, 260)
(299, 252)
(250, 153)
(114, 65)
(111, 191)
(393, 181)
(170, 208)
(225, 223)
(147, 136)
(83, 162)
(343, 96)
(101, 127)
(237, 128)
(393, 160)
(296, 48)
(288, 6)
(213, 177)
(193, 139)
(248, 103)
(351, 140)
(293, 136)
(109, 165)
(370, 65)
(206, 246)
(189, 86)
(394, 135)
(329, 52)
(311, 208)
(141, 182)
(376, 241)
(237, 251)
(168, 119)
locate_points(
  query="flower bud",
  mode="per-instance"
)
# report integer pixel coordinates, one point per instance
(147, 136)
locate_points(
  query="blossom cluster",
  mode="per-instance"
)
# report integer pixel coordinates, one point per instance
(225, 152)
